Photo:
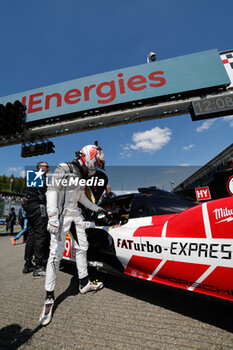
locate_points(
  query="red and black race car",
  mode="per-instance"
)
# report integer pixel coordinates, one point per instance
(166, 238)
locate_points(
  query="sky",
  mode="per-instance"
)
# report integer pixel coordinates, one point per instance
(52, 41)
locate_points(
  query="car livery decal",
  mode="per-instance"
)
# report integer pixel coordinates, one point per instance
(192, 250)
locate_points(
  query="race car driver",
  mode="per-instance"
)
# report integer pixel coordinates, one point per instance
(63, 196)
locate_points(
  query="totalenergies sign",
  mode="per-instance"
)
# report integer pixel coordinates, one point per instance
(156, 80)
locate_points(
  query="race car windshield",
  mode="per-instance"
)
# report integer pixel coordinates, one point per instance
(147, 205)
(163, 205)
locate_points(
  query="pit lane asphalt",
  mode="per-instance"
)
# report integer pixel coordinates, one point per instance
(126, 314)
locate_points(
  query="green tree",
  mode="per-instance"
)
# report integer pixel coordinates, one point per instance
(18, 185)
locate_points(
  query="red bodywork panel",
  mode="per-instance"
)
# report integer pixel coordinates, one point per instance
(193, 250)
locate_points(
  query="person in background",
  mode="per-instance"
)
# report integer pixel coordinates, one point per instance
(23, 224)
(7, 221)
(12, 220)
(38, 237)
(21, 219)
(108, 193)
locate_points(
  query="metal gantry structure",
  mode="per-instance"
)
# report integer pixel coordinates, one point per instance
(200, 84)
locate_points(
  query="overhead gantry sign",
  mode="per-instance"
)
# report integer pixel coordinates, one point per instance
(149, 91)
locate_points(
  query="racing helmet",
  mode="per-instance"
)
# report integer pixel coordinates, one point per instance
(91, 157)
(101, 156)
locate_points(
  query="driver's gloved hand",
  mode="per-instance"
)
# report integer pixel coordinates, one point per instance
(105, 211)
(101, 214)
(53, 224)
(103, 217)
(95, 214)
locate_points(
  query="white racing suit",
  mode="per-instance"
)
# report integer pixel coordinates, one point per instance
(62, 202)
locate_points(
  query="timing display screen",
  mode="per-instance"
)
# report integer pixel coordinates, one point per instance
(217, 106)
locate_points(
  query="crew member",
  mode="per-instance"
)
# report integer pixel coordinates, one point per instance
(24, 224)
(108, 193)
(38, 236)
(12, 220)
(63, 197)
